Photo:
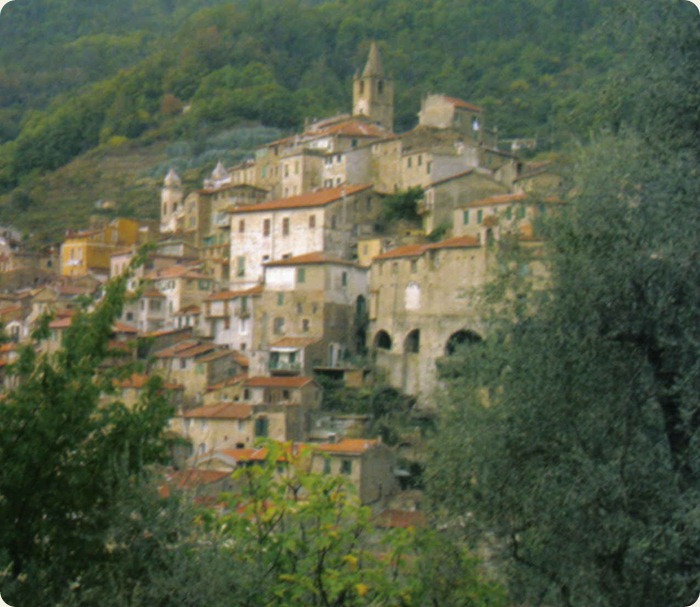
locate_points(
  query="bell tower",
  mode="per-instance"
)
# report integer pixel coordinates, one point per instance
(373, 92)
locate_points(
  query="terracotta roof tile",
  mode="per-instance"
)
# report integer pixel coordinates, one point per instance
(462, 104)
(228, 295)
(348, 446)
(314, 199)
(189, 479)
(416, 250)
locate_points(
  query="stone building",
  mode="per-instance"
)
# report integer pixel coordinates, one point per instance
(310, 314)
(328, 220)
(423, 300)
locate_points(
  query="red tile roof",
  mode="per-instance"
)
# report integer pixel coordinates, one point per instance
(139, 380)
(278, 382)
(227, 295)
(348, 446)
(221, 411)
(351, 128)
(189, 479)
(416, 250)
(314, 199)
(462, 104)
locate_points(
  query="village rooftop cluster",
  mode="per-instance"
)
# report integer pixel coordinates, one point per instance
(284, 268)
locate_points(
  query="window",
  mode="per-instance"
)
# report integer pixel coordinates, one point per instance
(326, 466)
(154, 305)
(465, 218)
(262, 426)
(240, 266)
(414, 266)
(244, 305)
(380, 87)
(300, 308)
(305, 325)
(266, 227)
(183, 363)
(420, 160)
(428, 167)
(479, 216)
(301, 275)
(280, 299)
(346, 466)
(509, 212)
(286, 170)
(278, 325)
(285, 226)
(344, 279)
(241, 226)
(409, 162)
(312, 221)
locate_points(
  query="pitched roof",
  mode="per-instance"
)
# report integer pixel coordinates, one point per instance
(317, 257)
(314, 199)
(185, 349)
(351, 128)
(278, 382)
(139, 380)
(373, 67)
(221, 411)
(189, 479)
(348, 446)
(460, 103)
(295, 342)
(228, 295)
(496, 200)
(416, 250)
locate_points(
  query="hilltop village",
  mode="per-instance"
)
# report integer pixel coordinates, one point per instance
(344, 253)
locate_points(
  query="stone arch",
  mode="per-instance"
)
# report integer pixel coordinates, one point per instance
(382, 340)
(411, 345)
(458, 338)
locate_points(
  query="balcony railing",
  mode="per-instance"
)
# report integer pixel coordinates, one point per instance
(281, 366)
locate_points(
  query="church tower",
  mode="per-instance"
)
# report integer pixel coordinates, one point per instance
(171, 196)
(373, 92)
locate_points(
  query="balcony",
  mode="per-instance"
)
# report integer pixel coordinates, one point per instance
(283, 367)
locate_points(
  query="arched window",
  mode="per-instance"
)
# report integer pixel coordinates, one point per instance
(382, 341)
(459, 338)
(411, 344)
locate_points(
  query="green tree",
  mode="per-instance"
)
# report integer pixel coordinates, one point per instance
(66, 458)
(571, 432)
(302, 538)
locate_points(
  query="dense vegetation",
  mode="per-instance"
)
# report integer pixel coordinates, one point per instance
(76, 75)
(571, 432)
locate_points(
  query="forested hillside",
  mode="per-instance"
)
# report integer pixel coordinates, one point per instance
(75, 74)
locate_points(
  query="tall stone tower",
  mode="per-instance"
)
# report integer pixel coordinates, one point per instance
(171, 196)
(373, 92)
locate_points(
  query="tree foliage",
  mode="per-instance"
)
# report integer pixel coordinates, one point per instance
(67, 458)
(571, 433)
